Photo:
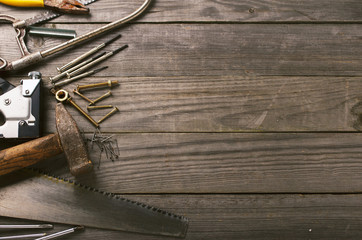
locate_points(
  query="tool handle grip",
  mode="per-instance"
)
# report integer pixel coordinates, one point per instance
(23, 3)
(29, 153)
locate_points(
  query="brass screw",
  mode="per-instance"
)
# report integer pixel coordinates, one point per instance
(83, 112)
(84, 97)
(114, 110)
(63, 96)
(89, 108)
(108, 83)
(108, 94)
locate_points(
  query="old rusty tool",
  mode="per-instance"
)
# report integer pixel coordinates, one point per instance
(67, 140)
(32, 58)
(51, 199)
(65, 6)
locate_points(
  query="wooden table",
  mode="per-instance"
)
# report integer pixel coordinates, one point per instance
(243, 116)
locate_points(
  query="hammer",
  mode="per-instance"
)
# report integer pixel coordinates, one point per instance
(67, 140)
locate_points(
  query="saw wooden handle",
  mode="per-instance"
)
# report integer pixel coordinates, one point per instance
(29, 153)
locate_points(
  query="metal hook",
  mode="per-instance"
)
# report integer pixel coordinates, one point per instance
(32, 58)
(20, 35)
(5, 63)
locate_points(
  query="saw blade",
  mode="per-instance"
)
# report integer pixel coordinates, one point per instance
(28, 194)
(49, 14)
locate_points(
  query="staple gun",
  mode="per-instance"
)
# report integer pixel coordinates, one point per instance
(20, 108)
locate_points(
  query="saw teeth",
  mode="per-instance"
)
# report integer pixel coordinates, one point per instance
(108, 194)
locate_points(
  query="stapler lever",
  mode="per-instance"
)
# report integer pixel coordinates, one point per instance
(20, 108)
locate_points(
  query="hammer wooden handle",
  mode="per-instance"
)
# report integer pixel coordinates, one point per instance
(29, 153)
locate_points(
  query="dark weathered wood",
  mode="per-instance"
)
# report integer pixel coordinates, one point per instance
(227, 163)
(215, 11)
(221, 104)
(236, 49)
(199, 74)
(249, 217)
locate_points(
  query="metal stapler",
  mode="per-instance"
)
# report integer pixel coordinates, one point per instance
(20, 108)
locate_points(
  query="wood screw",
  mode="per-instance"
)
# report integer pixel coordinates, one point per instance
(108, 83)
(108, 94)
(115, 109)
(89, 108)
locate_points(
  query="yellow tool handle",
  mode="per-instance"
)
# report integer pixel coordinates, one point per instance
(24, 3)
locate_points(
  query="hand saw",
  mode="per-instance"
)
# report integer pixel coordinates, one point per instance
(28, 194)
(20, 27)
(40, 18)
(32, 58)
(66, 6)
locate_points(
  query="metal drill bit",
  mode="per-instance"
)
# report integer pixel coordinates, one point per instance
(62, 233)
(86, 74)
(30, 226)
(63, 74)
(96, 61)
(87, 54)
(36, 235)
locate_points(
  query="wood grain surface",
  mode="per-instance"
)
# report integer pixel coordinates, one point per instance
(236, 49)
(244, 116)
(223, 104)
(256, 216)
(216, 11)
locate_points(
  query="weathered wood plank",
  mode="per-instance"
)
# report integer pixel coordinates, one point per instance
(235, 49)
(221, 104)
(250, 217)
(227, 163)
(215, 11)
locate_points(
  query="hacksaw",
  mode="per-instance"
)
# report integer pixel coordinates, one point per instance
(28, 194)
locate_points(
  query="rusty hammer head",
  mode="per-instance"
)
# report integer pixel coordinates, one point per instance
(71, 141)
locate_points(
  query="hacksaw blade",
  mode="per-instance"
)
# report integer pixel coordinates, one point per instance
(28, 194)
(49, 14)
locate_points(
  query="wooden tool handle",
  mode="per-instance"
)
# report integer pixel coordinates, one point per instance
(29, 153)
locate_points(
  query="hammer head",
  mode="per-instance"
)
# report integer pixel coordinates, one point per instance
(71, 142)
